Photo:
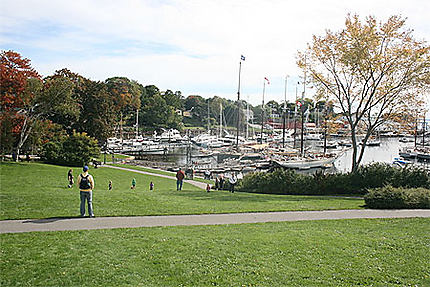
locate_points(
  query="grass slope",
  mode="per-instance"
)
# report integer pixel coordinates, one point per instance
(158, 171)
(360, 252)
(40, 191)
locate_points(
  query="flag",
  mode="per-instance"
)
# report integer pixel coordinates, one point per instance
(267, 80)
(242, 57)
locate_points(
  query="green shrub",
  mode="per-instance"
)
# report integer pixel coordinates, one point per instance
(278, 182)
(338, 183)
(370, 176)
(389, 197)
(410, 177)
(75, 150)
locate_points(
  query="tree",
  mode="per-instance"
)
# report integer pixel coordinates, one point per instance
(198, 107)
(174, 99)
(159, 111)
(15, 72)
(126, 93)
(39, 100)
(369, 70)
(98, 114)
(66, 111)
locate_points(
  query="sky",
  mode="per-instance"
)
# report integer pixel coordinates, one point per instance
(189, 46)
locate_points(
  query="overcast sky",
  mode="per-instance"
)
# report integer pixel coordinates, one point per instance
(190, 46)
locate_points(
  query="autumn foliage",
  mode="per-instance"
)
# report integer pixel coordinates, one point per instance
(14, 73)
(371, 70)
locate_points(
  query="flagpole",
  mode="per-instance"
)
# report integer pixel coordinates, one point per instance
(295, 117)
(238, 105)
(262, 112)
(302, 150)
(285, 111)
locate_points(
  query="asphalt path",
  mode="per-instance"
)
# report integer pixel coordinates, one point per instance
(77, 223)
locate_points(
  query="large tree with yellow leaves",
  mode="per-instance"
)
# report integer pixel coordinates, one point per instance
(371, 70)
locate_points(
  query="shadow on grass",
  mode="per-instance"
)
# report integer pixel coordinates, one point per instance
(52, 219)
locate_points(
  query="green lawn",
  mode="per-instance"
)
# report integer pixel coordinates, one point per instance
(109, 157)
(163, 172)
(359, 252)
(33, 190)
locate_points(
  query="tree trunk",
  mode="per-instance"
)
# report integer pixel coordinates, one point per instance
(354, 150)
(25, 132)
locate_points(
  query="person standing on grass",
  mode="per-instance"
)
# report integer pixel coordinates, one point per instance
(133, 183)
(86, 186)
(110, 185)
(180, 175)
(151, 186)
(208, 188)
(70, 178)
(232, 180)
(221, 182)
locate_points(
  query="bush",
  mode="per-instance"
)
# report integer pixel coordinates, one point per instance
(410, 177)
(277, 182)
(389, 197)
(370, 176)
(75, 150)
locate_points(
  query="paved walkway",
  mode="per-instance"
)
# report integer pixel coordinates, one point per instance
(58, 224)
(201, 185)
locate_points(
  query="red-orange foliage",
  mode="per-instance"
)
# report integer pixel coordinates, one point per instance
(14, 72)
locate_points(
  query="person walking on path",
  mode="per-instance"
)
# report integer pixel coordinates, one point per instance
(86, 186)
(70, 178)
(180, 175)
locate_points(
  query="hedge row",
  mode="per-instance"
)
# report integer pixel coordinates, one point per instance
(370, 176)
(396, 198)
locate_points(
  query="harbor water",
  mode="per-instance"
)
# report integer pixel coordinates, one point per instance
(177, 157)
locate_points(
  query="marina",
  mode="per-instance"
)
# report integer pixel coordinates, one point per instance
(207, 153)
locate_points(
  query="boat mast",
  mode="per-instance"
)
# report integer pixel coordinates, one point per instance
(285, 111)
(424, 129)
(295, 116)
(238, 102)
(209, 123)
(220, 119)
(121, 129)
(262, 112)
(137, 123)
(247, 117)
(302, 110)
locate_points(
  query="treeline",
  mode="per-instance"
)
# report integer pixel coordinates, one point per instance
(36, 109)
